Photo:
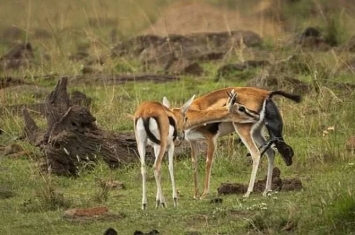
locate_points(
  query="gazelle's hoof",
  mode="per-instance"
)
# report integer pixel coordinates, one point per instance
(144, 206)
(160, 203)
(175, 202)
(204, 195)
(267, 193)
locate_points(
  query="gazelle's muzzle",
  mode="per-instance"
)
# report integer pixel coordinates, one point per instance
(180, 135)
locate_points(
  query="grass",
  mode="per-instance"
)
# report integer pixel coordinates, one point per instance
(33, 203)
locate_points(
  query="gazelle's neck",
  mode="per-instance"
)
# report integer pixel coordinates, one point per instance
(197, 118)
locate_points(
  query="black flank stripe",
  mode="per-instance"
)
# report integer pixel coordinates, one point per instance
(172, 123)
(149, 133)
(213, 128)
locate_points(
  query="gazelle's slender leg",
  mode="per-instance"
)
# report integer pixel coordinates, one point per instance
(171, 171)
(260, 140)
(141, 138)
(141, 150)
(244, 131)
(159, 154)
(194, 149)
(211, 143)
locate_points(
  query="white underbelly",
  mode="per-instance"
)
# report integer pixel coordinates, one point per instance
(193, 135)
(224, 128)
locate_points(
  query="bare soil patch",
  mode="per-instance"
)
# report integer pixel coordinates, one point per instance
(91, 214)
(278, 184)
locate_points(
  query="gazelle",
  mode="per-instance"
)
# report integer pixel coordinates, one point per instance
(158, 125)
(257, 101)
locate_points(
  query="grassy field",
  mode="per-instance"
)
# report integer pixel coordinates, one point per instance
(33, 203)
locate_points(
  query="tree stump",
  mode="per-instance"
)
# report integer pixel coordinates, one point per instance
(72, 139)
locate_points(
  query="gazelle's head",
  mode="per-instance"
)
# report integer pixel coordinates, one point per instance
(242, 113)
(179, 115)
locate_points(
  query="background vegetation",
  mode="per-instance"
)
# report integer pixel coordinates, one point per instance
(33, 203)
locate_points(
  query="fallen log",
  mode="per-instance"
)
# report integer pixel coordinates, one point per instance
(72, 139)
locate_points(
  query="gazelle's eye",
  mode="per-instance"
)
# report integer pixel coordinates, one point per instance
(185, 119)
(241, 109)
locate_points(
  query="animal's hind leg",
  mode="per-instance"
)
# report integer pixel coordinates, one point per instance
(194, 149)
(211, 147)
(260, 141)
(159, 153)
(141, 138)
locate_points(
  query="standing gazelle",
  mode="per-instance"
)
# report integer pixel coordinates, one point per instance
(158, 125)
(258, 101)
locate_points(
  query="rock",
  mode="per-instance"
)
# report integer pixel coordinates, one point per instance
(312, 38)
(232, 188)
(110, 231)
(153, 232)
(20, 56)
(184, 66)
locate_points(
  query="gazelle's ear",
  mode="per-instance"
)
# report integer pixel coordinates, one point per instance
(232, 98)
(166, 102)
(186, 106)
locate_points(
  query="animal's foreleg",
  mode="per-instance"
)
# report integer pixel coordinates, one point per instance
(211, 143)
(260, 141)
(194, 149)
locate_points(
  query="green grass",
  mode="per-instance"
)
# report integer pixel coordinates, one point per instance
(325, 168)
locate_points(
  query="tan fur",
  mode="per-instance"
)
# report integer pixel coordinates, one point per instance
(154, 117)
(253, 99)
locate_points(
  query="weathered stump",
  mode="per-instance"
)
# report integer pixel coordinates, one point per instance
(72, 139)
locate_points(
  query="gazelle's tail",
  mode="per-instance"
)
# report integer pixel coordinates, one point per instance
(296, 98)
